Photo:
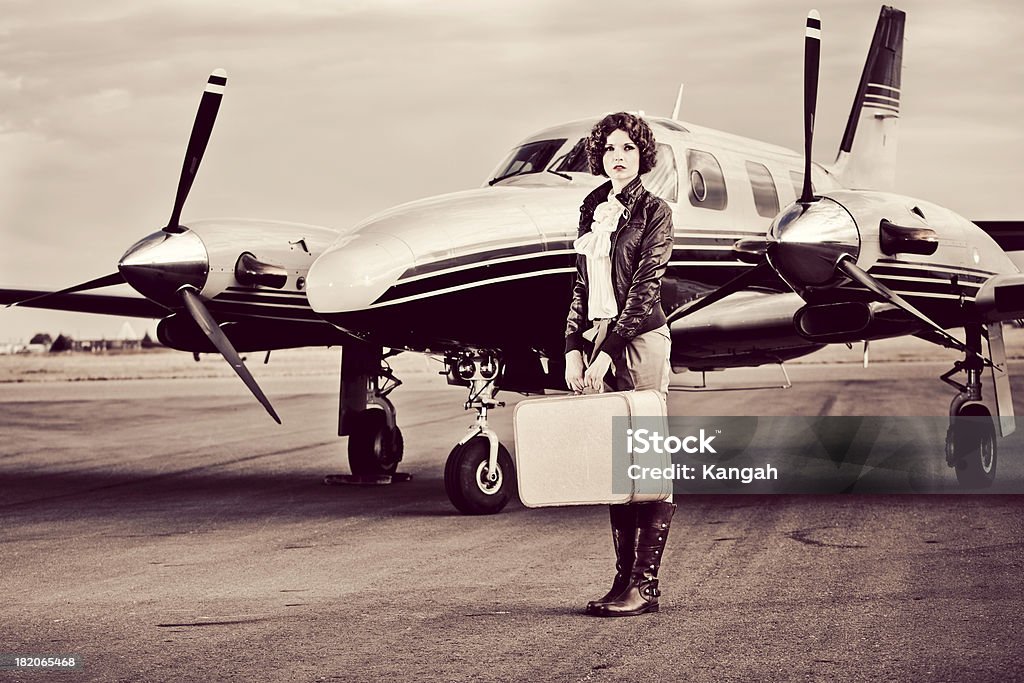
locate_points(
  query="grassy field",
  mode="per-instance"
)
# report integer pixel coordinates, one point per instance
(168, 364)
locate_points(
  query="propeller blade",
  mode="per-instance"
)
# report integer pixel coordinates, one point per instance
(212, 330)
(201, 129)
(850, 269)
(731, 287)
(812, 51)
(105, 281)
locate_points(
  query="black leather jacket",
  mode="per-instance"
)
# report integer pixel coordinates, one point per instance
(641, 248)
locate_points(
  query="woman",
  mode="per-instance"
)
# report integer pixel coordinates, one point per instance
(624, 245)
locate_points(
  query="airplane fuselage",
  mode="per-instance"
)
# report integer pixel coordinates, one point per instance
(493, 267)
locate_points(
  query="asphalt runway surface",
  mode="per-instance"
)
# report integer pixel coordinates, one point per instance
(169, 530)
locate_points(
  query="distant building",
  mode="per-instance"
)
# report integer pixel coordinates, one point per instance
(101, 345)
(126, 340)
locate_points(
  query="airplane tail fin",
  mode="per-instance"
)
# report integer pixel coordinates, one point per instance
(867, 154)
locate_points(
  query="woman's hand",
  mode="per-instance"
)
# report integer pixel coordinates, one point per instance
(594, 377)
(574, 371)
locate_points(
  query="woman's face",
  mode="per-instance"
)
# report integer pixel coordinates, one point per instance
(621, 157)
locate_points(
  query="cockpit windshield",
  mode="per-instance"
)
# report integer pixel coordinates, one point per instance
(577, 160)
(533, 157)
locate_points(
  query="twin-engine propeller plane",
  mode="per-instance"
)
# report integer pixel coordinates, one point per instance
(484, 276)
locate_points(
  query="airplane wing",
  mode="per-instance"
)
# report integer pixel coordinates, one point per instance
(1001, 297)
(131, 306)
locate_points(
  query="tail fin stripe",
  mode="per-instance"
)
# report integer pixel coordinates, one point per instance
(881, 86)
(871, 101)
(883, 107)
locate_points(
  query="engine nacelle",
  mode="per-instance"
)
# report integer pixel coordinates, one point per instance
(747, 329)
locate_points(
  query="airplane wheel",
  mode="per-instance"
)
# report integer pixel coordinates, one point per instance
(972, 443)
(373, 449)
(468, 483)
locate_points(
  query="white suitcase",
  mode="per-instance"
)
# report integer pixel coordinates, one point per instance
(564, 449)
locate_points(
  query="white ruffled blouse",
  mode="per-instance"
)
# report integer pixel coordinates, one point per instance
(596, 245)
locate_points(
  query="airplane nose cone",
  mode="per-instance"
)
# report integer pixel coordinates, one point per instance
(355, 271)
(161, 263)
(806, 241)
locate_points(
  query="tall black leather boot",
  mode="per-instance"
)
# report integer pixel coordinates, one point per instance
(623, 518)
(641, 594)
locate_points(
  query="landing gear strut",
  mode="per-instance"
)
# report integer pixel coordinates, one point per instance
(971, 436)
(479, 476)
(367, 416)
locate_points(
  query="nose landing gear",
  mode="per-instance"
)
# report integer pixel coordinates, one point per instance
(479, 476)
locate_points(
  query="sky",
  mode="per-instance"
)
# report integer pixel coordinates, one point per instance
(336, 109)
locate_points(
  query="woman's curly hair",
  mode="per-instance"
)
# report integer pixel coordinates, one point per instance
(633, 126)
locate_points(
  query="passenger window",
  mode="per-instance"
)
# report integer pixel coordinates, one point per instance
(663, 180)
(707, 184)
(766, 198)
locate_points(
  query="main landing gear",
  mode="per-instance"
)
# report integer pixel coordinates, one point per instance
(367, 417)
(971, 436)
(479, 476)
(375, 444)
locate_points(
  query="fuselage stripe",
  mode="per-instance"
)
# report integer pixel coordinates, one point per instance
(477, 257)
(231, 308)
(405, 279)
(486, 271)
(935, 281)
(273, 292)
(261, 300)
(718, 247)
(449, 264)
(468, 285)
(698, 264)
(926, 276)
(935, 267)
(917, 287)
(912, 295)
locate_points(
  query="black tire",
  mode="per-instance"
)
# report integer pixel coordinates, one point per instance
(972, 438)
(466, 481)
(373, 449)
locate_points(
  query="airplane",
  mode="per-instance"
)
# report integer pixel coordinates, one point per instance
(774, 258)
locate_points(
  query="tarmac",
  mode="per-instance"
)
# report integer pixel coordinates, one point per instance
(169, 530)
